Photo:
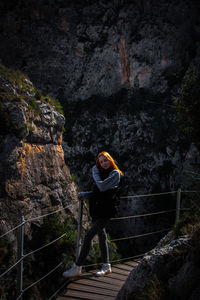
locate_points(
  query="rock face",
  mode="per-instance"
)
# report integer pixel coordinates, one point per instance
(33, 174)
(165, 272)
(80, 49)
(115, 66)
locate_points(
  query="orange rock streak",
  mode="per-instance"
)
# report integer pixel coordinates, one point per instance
(125, 62)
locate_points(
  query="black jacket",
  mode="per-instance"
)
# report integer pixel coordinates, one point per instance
(103, 204)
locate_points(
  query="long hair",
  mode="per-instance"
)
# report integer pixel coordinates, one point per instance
(111, 160)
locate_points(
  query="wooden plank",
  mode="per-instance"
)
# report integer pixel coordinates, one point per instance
(101, 284)
(117, 276)
(124, 267)
(88, 296)
(108, 280)
(93, 275)
(120, 271)
(92, 289)
(102, 278)
(67, 298)
(131, 263)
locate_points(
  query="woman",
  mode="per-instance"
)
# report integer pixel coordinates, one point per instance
(102, 202)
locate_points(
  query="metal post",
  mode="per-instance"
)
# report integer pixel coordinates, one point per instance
(20, 254)
(178, 205)
(80, 214)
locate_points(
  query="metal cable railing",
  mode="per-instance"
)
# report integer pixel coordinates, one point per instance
(79, 229)
(10, 268)
(38, 217)
(37, 281)
(61, 209)
(147, 195)
(190, 191)
(20, 261)
(139, 235)
(144, 215)
(32, 252)
(11, 230)
(116, 260)
(51, 213)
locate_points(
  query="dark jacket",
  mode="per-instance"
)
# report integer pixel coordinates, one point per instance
(103, 204)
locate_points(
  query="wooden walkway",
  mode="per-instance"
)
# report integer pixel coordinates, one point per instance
(89, 286)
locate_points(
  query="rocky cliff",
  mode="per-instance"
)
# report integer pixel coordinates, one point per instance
(34, 177)
(80, 49)
(170, 271)
(115, 66)
(33, 174)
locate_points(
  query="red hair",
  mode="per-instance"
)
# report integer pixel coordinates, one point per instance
(111, 160)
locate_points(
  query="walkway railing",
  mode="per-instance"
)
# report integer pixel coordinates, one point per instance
(20, 237)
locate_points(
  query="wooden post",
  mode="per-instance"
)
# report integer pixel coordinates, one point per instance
(178, 205)
(20, 254)
(80, 214)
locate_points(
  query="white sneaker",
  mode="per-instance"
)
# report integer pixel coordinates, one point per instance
(74, 271)
(106, 269)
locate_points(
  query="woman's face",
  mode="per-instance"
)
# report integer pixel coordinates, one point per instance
(104, 162)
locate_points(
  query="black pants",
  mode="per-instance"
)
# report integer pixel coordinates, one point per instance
(98, 227)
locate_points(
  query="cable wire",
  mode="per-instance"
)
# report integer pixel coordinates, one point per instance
(55, 293)
(21, 294)
(145, 215)
(10, 268)
(147, 195)
(140, 235)
(190, 191)
(32, 252)
(51, 213)
(12, 229)
(38, 249)
(116, 260)
(36, 282)
(127, 258)
(39, 217)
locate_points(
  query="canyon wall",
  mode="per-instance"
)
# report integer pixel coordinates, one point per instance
(34, 177)
(115, 66)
